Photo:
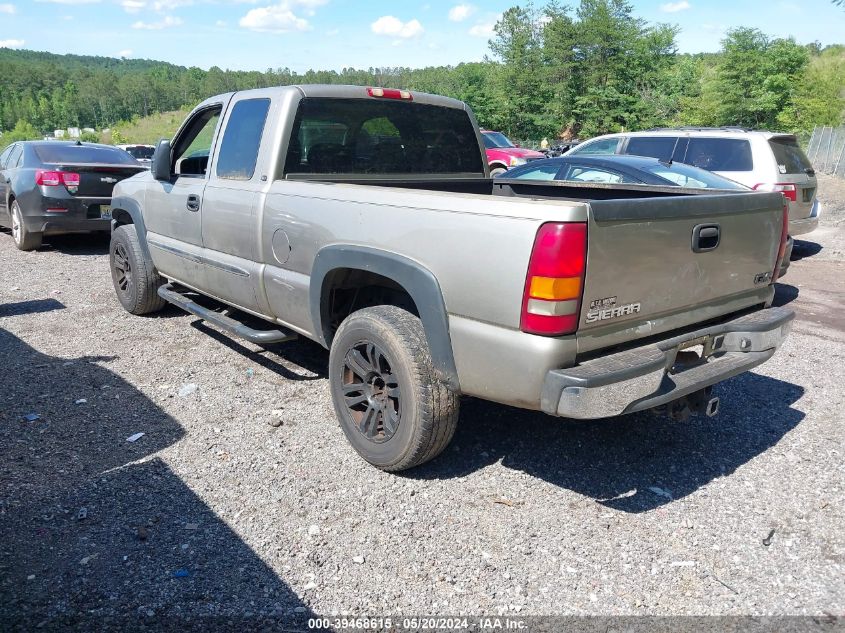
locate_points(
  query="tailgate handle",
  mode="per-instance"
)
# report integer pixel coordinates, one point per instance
(193, 202)
(705, 237)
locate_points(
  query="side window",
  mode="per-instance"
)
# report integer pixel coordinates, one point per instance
(192, 148)
(544, 172)
(4, 155)
(603, 146)
(719, 154)
(242, 138)
(595, 174)
(660, 147)
(15, 156)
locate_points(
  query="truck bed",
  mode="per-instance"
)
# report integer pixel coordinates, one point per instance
(578, 192)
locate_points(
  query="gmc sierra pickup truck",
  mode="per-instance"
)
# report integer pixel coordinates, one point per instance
(365, 219)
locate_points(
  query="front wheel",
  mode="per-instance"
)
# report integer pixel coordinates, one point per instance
(497, 171)
(25, 240)
(135, 280)
(393, 408)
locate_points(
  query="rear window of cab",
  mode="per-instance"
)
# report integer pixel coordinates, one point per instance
(364, 136)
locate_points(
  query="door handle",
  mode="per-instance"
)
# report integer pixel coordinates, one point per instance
(193, 203)
(705, 237)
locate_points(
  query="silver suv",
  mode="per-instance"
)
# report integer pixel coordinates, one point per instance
(765, 161)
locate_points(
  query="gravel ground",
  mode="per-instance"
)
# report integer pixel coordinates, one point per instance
(215, 512)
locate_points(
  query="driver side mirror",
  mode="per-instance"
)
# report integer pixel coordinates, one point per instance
(161, 161)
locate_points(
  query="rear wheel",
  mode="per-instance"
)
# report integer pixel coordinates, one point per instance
(136, 281)
(392, 407)
(25, 240)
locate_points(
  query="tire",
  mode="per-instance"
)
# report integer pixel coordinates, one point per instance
(393, 408)
(25, 240)
(135, 280)
(497, 171)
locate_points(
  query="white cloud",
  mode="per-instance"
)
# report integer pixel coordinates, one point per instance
(333, 32)
(11, 43)
(483, 30)
(167, 22)
(280, 18)
(126, 52)
(461, 12)
(169, 5)
(7, 8)
(394, 27)
(221, 23)
(133, 6)
(674, 7)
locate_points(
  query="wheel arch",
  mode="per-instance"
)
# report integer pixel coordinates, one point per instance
(413, 278)
(128, 211)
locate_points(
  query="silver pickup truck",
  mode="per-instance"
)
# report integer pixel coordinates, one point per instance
(365, 219)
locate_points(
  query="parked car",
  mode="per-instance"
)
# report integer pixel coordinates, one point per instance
(502, 154)
(53, 187)
(764, 161)
(621, 170)
(427, 280)
(142, 153)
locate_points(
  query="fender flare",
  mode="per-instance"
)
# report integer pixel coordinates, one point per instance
(131, 207)
(419, 282)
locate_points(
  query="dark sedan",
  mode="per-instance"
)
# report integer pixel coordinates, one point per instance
(53, 187)
(621, 170)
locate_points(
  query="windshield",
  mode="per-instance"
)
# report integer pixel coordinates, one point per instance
(73, 153)
(689, 176)
(493, 140)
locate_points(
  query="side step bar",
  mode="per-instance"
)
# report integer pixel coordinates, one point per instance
(230, 325)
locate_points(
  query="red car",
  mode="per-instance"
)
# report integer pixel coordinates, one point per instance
(502, 154)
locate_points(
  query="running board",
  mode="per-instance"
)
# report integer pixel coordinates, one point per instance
(228, 324)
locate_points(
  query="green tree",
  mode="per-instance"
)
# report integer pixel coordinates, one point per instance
(23, 131)
(756, 77)
(519, 87)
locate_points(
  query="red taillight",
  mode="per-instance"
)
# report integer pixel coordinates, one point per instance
(784, 233)
(789, 190)
(56, 178)
(70, 180)
(48, 178)
(390, 93)
(554, 284)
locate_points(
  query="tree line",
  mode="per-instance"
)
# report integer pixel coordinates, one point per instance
(552, 72)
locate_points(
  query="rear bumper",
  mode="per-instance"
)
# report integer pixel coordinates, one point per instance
(81, 215)
(802, 226)
(650, 376)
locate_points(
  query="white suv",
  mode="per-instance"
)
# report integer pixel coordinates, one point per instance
(765, 161)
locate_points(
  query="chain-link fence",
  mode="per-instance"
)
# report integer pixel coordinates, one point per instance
(827, 150)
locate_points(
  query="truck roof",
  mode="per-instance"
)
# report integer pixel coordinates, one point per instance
(334, 92)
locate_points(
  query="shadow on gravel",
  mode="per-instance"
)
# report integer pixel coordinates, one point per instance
(79, 244)
(803, 248)
(631, 463)
(30, 307)
(302, 352)
(95, 531)
(784, 294)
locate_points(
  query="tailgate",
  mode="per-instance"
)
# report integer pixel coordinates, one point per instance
(678, 257)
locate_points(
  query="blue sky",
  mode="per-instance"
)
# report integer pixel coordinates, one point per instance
(332, 34)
